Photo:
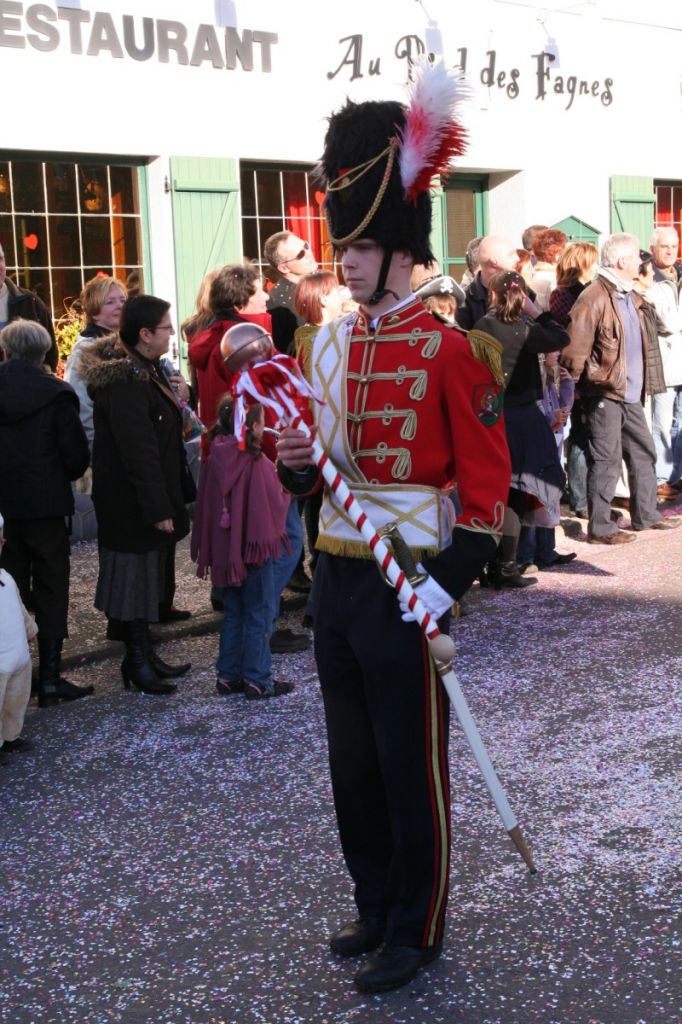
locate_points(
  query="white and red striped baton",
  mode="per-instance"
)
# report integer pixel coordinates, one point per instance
(278, 384)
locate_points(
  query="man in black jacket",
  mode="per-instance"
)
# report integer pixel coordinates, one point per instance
(494, 254)
(292, 259)
(43, 448)
(20, 303)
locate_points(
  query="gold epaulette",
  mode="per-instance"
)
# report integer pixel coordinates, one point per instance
(487, 350)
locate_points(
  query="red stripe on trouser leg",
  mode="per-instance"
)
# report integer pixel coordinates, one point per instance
(433, 926)
(442, 703)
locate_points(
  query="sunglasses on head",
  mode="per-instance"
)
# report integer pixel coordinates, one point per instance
(299, 255)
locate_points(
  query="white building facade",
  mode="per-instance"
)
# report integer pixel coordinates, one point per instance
(155, 141)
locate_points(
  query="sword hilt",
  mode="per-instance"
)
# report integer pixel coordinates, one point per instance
(403, 555)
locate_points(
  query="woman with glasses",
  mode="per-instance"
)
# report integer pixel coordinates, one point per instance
(138, 467)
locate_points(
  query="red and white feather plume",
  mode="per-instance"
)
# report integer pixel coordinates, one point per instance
(432, 135)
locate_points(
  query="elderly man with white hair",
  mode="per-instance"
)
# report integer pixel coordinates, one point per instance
(607, 357)
(495, 253)
(666, 296)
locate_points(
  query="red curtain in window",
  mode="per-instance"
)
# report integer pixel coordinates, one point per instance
(302, 213)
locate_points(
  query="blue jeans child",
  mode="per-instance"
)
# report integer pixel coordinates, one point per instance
(288, 560)
(536, 544)
(244, 651)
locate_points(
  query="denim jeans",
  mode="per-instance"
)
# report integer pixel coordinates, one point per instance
(244, 651)
(576, 471)
(283, 566)
(665, 427)
(536, 544)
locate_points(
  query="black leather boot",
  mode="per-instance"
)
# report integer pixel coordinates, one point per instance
(136, 668)
(51, 686)
(506, 571)
(162, 668)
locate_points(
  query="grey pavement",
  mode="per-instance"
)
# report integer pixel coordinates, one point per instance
(175, 859)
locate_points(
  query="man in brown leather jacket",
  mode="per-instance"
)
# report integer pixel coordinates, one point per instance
(607, 357)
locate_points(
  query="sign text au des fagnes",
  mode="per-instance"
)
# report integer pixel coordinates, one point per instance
(506, 81)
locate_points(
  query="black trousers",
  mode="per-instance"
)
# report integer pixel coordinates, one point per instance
(387, 718)
(618, 431)
(36, 554)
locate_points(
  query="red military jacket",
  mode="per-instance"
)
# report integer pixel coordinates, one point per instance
(421, 409)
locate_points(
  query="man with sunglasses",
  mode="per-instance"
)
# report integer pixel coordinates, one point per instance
(292, 259)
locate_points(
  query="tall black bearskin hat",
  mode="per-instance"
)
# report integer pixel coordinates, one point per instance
(380, 157)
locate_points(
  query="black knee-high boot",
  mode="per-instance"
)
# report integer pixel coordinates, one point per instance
(136, 667)
(507, 572)
(51, 686)
(161, 667)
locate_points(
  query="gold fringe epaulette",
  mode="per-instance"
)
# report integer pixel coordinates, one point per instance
(487, 350)
(358, 548)
(304, 337)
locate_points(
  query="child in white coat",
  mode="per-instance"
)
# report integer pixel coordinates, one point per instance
(17, 627)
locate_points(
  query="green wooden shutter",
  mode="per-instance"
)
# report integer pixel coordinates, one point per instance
(633, 203)
(206, 224)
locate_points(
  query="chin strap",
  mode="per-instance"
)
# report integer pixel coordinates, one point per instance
(381, 292)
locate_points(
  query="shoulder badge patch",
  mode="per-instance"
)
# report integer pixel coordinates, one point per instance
(487, 401)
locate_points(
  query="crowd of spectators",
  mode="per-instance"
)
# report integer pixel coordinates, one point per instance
(591, 355)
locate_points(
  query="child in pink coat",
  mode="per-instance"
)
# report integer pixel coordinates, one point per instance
(239, 526)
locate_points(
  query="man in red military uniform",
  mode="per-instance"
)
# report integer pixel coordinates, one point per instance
(409, 410)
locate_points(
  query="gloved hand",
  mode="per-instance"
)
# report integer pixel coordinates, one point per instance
(436, 600)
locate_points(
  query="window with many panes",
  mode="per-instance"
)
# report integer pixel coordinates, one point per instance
(62, 223)
(668, 205)
(281, 199)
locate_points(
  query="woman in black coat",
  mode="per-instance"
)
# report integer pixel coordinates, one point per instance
(138, 467)
(42, 449)
(522, 332)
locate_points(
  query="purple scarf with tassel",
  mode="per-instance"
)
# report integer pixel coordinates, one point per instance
(240, 514)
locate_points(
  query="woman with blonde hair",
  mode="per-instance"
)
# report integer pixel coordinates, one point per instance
(574, 272)
(101, 300)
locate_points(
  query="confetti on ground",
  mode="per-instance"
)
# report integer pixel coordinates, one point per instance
(175, 861)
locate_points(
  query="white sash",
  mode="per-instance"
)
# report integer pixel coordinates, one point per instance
(425, 515)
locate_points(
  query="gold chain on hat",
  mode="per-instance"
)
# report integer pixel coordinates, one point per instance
(350, 177)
